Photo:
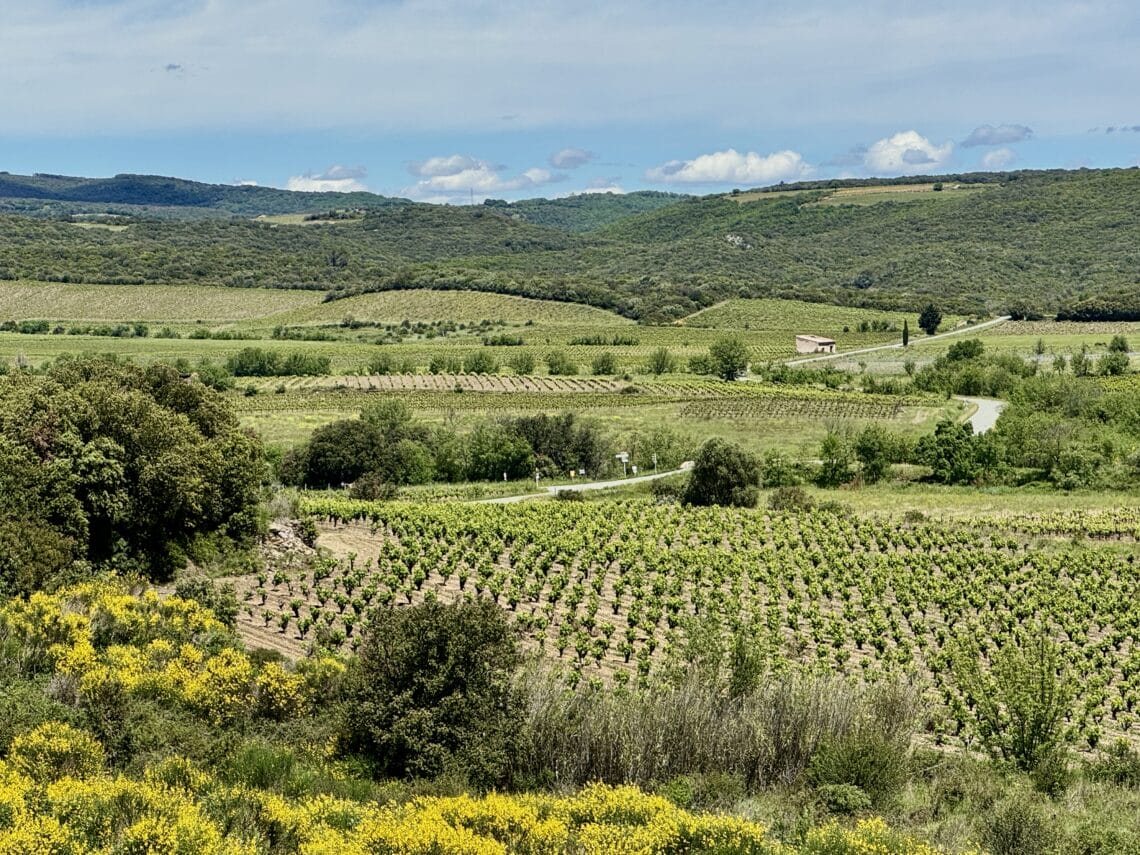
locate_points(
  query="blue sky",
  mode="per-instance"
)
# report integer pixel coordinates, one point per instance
(443, 100)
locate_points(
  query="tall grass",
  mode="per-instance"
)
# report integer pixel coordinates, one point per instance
(766, 737)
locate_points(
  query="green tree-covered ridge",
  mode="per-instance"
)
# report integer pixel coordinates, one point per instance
(1028, 241)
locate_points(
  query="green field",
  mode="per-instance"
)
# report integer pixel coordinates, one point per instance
(395, 307)
(150, 303)
(851, 328)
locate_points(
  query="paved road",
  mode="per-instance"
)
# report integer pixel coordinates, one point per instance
(898, 345)
(986, 414)
(581, 488)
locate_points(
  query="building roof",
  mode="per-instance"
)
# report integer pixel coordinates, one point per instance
(818, 339)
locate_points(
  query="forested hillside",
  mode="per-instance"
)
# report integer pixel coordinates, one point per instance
(167, 197)
(1036, 242)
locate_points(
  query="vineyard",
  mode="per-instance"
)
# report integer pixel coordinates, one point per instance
(798, 406)
(681, 388)
(618, 590)
(60, 302)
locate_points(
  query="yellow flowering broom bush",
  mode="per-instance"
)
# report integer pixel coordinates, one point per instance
(109, 642)
(178, 808)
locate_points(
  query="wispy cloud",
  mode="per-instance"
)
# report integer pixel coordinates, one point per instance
(906, 153)
(997, 135)
(999, 158)
(318, 65)
(571, 158)
(732, 167)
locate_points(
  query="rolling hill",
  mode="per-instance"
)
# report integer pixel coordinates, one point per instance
(1034, 242)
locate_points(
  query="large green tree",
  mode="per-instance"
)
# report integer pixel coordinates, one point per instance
(723, 474)
(728, 358)
(108, 465)
(929, 319)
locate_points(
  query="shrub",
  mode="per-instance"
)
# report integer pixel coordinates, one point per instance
(728, 358)
(522, 363)
(1113, 364)
(221, 599)
(843, 798)
(872, 762)
(790, 499)
(1021, 702)
(480, 362)
(1017, 826)
(1120, 766)
(431, 692)
(661, 362)
(558, 363)
(604, 363)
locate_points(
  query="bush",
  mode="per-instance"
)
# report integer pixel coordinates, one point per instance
(778, 470)
(723, 474)
(558, 363)
(480, 362)
(843, 798)
(522, 363)
(430, 692)
(790, 499)
(1017, 826)
(604, 363)
(728, 358)
(873, 762)
(1022, 701)
(661, 362)
(1113, 364)
(221, 599)
(1120, 766)
(374, 487)
(55, 750)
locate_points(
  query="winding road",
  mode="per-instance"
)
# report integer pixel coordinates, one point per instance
(581, 488)
(986, 414)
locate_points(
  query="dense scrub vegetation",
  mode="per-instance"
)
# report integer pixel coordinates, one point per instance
(1033, 242)
(1072, 423)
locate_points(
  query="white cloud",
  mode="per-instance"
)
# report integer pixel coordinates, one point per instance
(999, 158)
(335, 179)
(244, 182)
(571, 158)
(732, 167)
(906, 153)
(456, 177)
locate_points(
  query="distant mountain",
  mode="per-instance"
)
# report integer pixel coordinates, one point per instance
(158, 195)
